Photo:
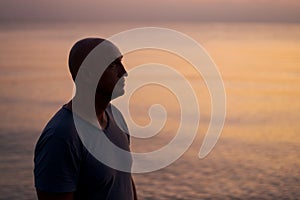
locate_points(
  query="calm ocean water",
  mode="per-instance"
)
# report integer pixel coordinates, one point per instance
(257, 156)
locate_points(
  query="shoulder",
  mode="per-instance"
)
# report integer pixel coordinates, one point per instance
(60, 125)
(59, 130)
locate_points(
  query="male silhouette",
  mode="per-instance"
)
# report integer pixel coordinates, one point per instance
(63, 167)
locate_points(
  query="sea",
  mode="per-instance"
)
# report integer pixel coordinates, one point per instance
(257, 154)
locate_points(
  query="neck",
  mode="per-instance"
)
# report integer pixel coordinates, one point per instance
(101, 103)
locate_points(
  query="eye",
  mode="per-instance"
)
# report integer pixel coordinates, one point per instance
(113, 65)
(116, 63)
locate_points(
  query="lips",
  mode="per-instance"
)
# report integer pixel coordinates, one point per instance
(121, 82)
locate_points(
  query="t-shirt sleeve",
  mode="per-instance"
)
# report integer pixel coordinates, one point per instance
(57, 164)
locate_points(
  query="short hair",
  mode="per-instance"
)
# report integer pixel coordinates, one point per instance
(79, 52)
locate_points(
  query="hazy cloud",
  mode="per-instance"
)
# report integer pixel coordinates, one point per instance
(195, 10)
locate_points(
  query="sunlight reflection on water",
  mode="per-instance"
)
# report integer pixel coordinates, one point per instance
(257, 155)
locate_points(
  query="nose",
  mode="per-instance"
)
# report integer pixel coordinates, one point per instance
(122, 71)
(125, 74)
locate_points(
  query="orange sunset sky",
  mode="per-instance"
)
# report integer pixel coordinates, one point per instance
(151, 10)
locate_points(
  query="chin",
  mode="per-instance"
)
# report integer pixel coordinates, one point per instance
(117, 93)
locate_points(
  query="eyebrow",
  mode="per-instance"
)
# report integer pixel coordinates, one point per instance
(120, 58)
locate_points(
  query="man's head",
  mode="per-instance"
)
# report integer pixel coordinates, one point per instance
(112, 73)
(79, 52)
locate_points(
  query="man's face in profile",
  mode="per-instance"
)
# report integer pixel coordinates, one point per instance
(112, 81)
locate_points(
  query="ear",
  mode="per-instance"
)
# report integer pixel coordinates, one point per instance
(85, 75)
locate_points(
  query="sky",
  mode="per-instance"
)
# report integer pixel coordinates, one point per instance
(150, 10)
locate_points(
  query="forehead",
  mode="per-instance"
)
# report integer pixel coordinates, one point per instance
(119, 58)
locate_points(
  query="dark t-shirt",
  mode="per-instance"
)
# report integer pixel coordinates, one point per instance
(63, 164)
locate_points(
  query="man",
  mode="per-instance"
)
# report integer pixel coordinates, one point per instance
(64, 168)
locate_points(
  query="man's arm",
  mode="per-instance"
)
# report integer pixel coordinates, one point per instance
(57, 161)
(54, 196)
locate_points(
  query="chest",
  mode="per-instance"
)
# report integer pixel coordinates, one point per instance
(94, 173)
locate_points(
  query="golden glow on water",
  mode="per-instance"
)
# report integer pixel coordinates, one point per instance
(257, 155)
